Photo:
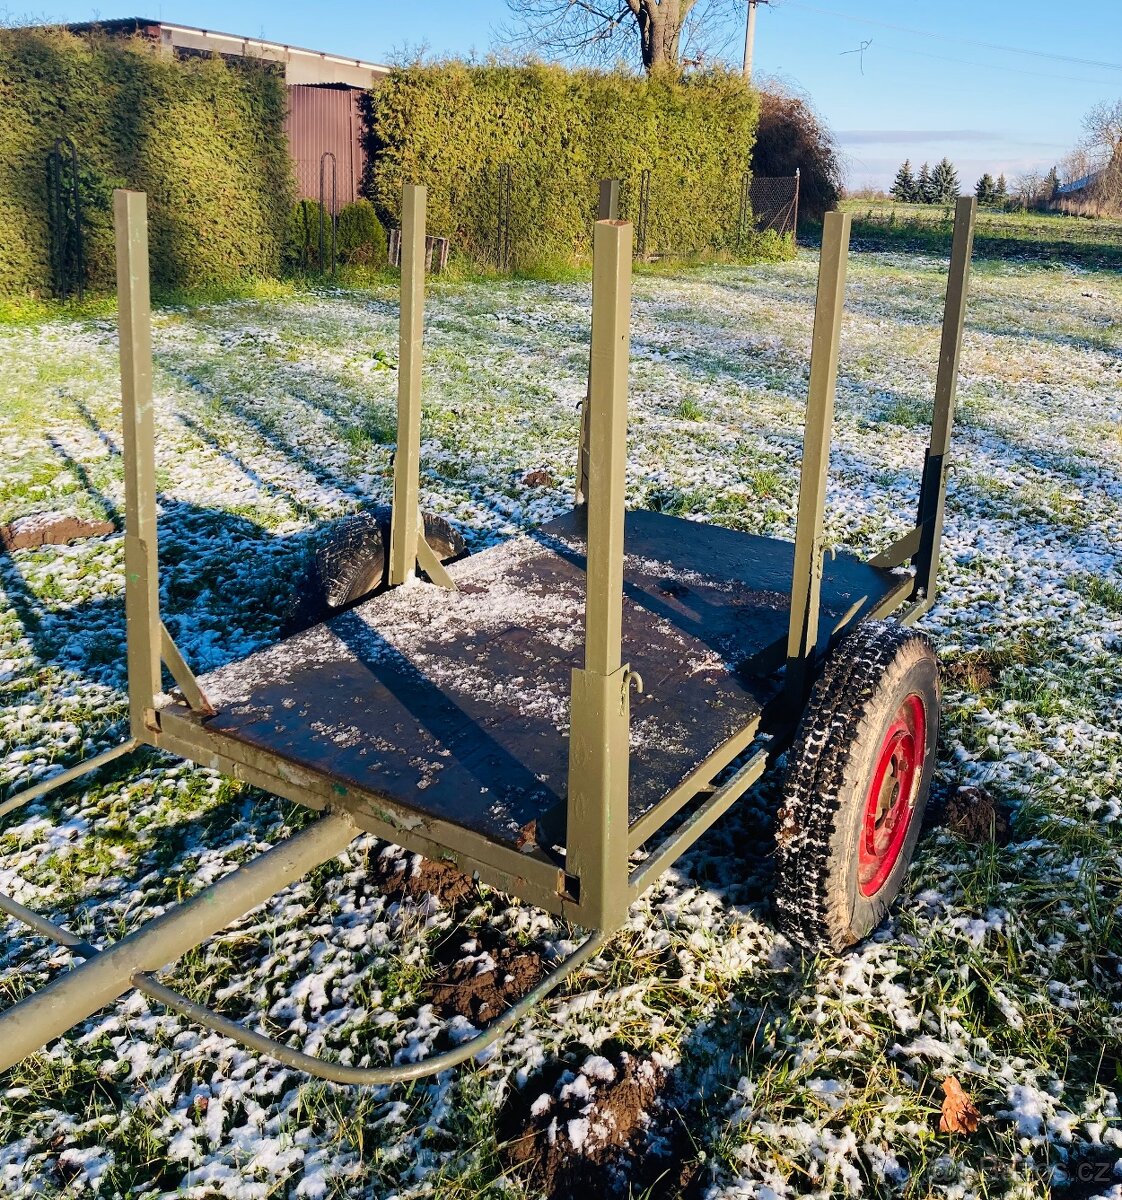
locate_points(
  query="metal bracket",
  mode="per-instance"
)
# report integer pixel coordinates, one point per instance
(183, 675)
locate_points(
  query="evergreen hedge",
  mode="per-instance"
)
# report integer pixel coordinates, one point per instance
(451, 126)
(205, 139)
(361, 238)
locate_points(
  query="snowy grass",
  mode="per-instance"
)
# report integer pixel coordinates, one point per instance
(1001, 966)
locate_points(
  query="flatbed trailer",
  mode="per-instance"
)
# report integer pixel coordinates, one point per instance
(561, 715)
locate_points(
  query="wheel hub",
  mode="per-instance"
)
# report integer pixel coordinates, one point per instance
(892, 795)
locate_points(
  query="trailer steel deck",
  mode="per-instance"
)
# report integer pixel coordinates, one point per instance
(455, 705)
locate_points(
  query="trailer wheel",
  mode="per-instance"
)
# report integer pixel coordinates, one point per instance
(443, 537)
(350, 562)
(353, 559)
(857, 780)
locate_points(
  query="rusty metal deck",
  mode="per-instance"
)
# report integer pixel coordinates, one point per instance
(455, 705)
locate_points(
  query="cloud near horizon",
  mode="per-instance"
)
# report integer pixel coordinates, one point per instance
(899, 137)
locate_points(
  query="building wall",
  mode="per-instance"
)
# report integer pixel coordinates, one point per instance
(321, 119)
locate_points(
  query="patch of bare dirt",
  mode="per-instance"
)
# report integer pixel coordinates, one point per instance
(975, 816)
(50, 529)
(598, 1132)
(538, 479)
(974, 671)
(414, 876)
(482, 987)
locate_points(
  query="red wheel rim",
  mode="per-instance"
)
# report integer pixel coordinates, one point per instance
(892, 795)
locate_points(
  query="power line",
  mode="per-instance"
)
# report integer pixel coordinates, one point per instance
(997, 67)
(945, 37)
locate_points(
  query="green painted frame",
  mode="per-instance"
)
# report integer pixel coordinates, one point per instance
(597, 883)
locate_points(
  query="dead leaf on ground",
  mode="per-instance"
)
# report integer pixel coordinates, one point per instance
(959, 1114)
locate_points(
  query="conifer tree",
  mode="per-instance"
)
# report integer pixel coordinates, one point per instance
(1052, 183)
(985, 189)
(944, 183)
(1001, 191)
(904, 187)
(923, 185)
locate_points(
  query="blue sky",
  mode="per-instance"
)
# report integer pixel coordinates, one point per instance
(906, 95)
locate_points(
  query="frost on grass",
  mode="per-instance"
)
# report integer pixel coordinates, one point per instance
(1001, 966)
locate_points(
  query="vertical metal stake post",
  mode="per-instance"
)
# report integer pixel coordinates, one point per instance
(142, 588)
(597, 818)
(405, 525)
(608, 207)
(806, 583)
(607, 210)
(933, 490)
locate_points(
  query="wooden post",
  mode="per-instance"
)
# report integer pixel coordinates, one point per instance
(806, 582)
(142, 590)
(597, 823)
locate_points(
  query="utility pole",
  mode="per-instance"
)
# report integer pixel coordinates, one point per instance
(750, 37)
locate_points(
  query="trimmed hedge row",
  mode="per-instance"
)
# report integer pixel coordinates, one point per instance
(204, 139)
(451, 126)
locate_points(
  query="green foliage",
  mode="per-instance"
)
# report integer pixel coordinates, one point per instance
(360, 238)
(923, 185)
(792, 136)
(944, 183)
(204, 138)
(1094, 242)
(904, 186)
(451, 126)
(985, 189)
(301, 238)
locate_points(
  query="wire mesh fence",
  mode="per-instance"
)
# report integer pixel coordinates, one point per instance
(771, 202)
(501, 224)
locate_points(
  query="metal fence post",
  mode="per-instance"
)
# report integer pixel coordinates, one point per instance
(142, 589)
(745, 209)
(327, 154)
(644, 213)
(806, 582)
(933, 489)
(597, 820)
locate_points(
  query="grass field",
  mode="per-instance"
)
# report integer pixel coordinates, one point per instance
(733, 1065)
(1089, 241)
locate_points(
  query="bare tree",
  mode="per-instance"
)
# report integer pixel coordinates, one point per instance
(664, 33)
(1102, 143)
(1102, 131)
